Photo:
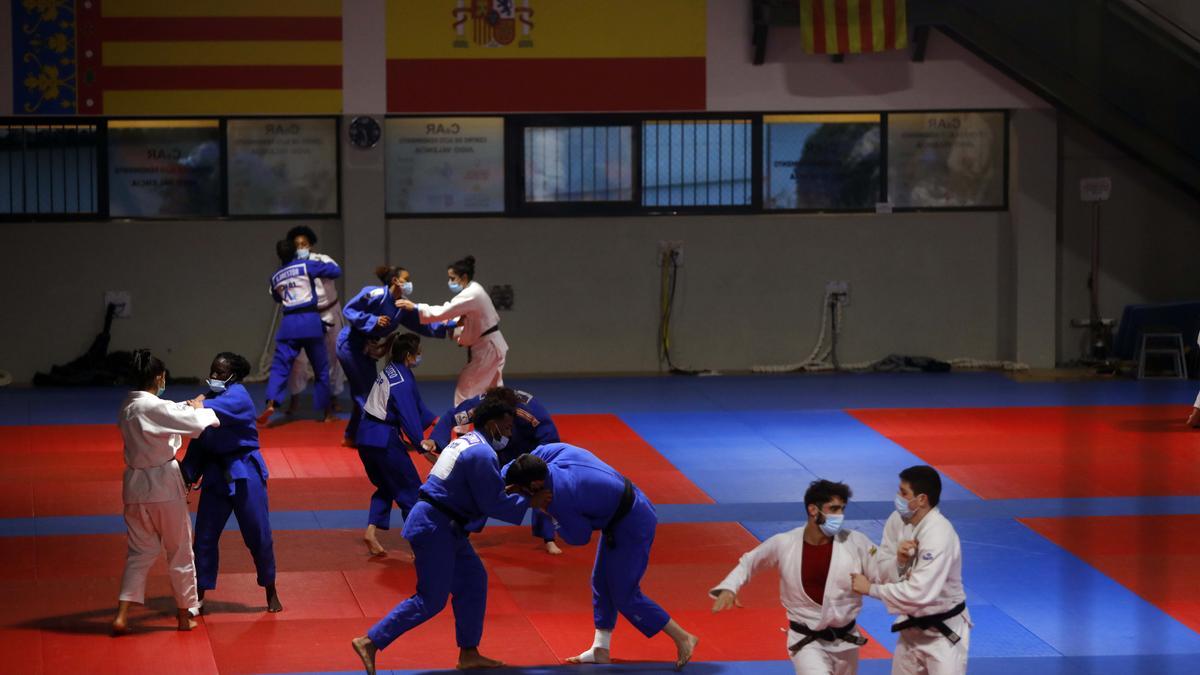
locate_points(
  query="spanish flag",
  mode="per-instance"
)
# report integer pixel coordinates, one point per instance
(152, 57)
(450, 56)
(853, 26)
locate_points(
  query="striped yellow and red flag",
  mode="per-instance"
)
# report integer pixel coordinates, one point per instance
(150, 57)
(545, 55)
(853, 26)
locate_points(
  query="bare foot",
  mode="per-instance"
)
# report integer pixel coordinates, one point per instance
(593, 655)
(120, 624)
(1194, 419)
(685, 650)
(469, 659)
(185, 620)
(373, 545)
(273, 604)
(348, 442)
(330, 416)
(552, 548)
(266, 413)
(366, 651)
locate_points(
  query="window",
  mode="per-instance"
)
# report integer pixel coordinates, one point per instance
(946, 159)
(579, 164)
(282, 166)
(48, 169)
(821, 162)
(696, 162)
(445, 164)
(164, 168)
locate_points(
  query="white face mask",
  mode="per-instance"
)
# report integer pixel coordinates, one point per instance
(903, 508)
(455, 287)
(302, 254)
(406, 289)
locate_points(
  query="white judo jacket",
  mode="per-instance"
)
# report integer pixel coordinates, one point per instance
(852, 553)
(474, 306)
(932, 581)
(152, 429)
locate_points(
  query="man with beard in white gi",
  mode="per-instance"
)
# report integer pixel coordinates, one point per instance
(919, 563)
(815, 563)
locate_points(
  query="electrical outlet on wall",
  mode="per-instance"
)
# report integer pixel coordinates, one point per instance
(123, 302)
(839, 291)
(672, 247)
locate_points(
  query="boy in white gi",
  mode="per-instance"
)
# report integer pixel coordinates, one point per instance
(156, 512)
(815, 563)
(920, 579)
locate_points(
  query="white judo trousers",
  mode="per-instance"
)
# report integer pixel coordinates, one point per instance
(852, 554)
(156, 513)
(152, 528)
(930, 584)
(484, 369)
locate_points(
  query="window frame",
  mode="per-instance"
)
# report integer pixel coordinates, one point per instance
(337, 158)
(506, 212)
(100, 177)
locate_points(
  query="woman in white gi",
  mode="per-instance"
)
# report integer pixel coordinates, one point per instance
(815, 563)
(478, 329)
(156, 512)
(920, 579)
(330, 309)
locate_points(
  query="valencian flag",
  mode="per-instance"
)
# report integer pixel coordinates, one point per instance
(853, 26)
(159, 57)
(545, 55)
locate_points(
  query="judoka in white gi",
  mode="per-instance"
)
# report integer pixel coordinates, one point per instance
(156, 512)
(815, 563)
(919, 563)
(478, 330)
(330, 309)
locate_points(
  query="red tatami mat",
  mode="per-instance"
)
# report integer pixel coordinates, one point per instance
(1154, 556)
(76, 470)
(1008, 453)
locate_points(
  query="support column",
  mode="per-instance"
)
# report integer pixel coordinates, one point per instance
(1033, 208)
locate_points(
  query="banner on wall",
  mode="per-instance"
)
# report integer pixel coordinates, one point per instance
(164, 169)
(282, 166)
(946, 159)
(545, 55)
(853, 26)
(445, 164)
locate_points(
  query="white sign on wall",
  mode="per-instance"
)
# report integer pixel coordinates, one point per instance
(445, 164)
(1095, 189)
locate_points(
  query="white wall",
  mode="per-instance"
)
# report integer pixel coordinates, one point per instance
(1150, 232)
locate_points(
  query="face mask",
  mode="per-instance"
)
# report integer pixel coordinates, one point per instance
(416, 361)
(302, 254)
(161, 390)
(406, 289)
(455, 287)
(902, 508)
(218, 386)
(498, 443)
(832, 524)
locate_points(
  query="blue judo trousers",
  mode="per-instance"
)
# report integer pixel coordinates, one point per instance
(394, 420)
(463, 490)
(586, 494)
(532, 426)
(363, 341)
(301, 328)
(235, 481)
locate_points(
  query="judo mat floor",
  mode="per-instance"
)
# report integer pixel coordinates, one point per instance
(1077, 503)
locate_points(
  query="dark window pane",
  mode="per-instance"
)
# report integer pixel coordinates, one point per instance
(695, 162)
(826, 161)
(164, 168)
(578, 164)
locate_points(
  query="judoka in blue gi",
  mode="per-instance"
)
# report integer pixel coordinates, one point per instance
(293, 286)
(587, 495)
(372, 318)
(394, 421)
(532, 427)
(464, 489)
(233, 479)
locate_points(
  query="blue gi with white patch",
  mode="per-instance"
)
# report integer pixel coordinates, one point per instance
(363, 341)
(393, 407)
(585, 495)
(466, 486)
(532, 426)
(235, 481)
(301, 328)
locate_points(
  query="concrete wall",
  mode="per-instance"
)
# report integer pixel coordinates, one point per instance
(1149, 235)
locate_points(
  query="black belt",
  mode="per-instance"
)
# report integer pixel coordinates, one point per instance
(446, 511)
(304, 310)
(491, 330)
(830, 634)
(937, 621)
(623, 509)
